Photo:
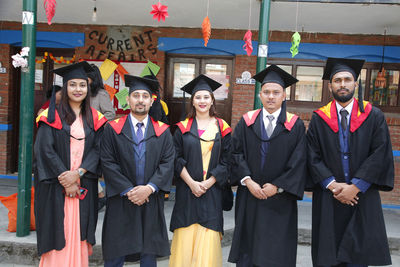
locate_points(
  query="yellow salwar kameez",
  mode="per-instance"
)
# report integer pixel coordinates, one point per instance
(196, 245)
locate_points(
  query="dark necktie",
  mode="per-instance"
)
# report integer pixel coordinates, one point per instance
(139, 134)
(270, 128)
(343, 120)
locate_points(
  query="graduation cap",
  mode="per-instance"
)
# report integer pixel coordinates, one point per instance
(274, 74)
(73, 71)
(201, 82)
(156, 111)
(153, 77)
(335, 65)
(54, 87)
(141, 83)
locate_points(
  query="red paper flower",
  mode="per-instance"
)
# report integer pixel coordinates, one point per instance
(50, 7)
(159, 11)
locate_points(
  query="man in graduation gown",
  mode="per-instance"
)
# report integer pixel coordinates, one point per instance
(350, 159)
(138, 161)
(269, 166)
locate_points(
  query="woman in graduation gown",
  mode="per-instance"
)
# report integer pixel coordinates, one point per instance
(202, 145)
(67, 166)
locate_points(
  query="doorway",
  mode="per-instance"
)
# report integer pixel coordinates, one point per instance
(181, 69)
(43, 81)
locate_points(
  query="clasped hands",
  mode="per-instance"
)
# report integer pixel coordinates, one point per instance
(68, 180)
(200, 188)
(139, 195)
(267, 190)
(345, 193)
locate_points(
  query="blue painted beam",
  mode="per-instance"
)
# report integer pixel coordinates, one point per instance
(5, 127)
(45, 39)
(370, 53)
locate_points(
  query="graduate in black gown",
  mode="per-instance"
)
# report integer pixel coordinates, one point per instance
(67, 165)
(137, 161)
(269, 167)
(350, 159)
(202, 144)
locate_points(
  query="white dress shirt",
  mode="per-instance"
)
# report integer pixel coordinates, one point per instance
(264, 114)
(349, 108)
(134, 122)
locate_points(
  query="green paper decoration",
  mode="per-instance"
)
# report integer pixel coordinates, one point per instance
(296, 38)
(121, 96)
(150, 65)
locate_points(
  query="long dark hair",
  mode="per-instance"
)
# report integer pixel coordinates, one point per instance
(212, 111)
(66, 112)
(97, 80)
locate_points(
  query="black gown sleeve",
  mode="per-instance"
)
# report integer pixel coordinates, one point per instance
(162, 176)
(240, 168)
(316, 166)
(293, 179)
(222, 170)
(180, 162)
(48, 163)
(116, 181)
(378, 167)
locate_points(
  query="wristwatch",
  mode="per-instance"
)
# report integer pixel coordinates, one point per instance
(80, 172)
(279, 190)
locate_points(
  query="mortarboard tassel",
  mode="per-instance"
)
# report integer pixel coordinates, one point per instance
(360, 96)
(52, 106)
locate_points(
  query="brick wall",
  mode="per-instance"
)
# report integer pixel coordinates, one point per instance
(242, 93)
(6, 108)
(142, 45)
(394, 195)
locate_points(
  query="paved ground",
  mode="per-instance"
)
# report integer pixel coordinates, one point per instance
(303, 259)
(22, 250)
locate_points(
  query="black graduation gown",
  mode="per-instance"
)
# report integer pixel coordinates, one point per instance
(52, 157)
(266, 230)
(128, 229)
(342, 233)
(207, 209)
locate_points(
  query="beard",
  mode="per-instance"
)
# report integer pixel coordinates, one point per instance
(343, 98)
(140, 110)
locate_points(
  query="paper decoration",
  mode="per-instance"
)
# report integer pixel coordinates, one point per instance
(206, 29)
(296, 38)
(150, 65)
(50, 8)
(59, 61)
(122, 71)
(107, 68)
(248, 46)
(111, 91)
(21, 59)
(121, 96)
(159, 12)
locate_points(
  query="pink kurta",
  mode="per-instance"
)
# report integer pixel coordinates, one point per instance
(76, 252)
